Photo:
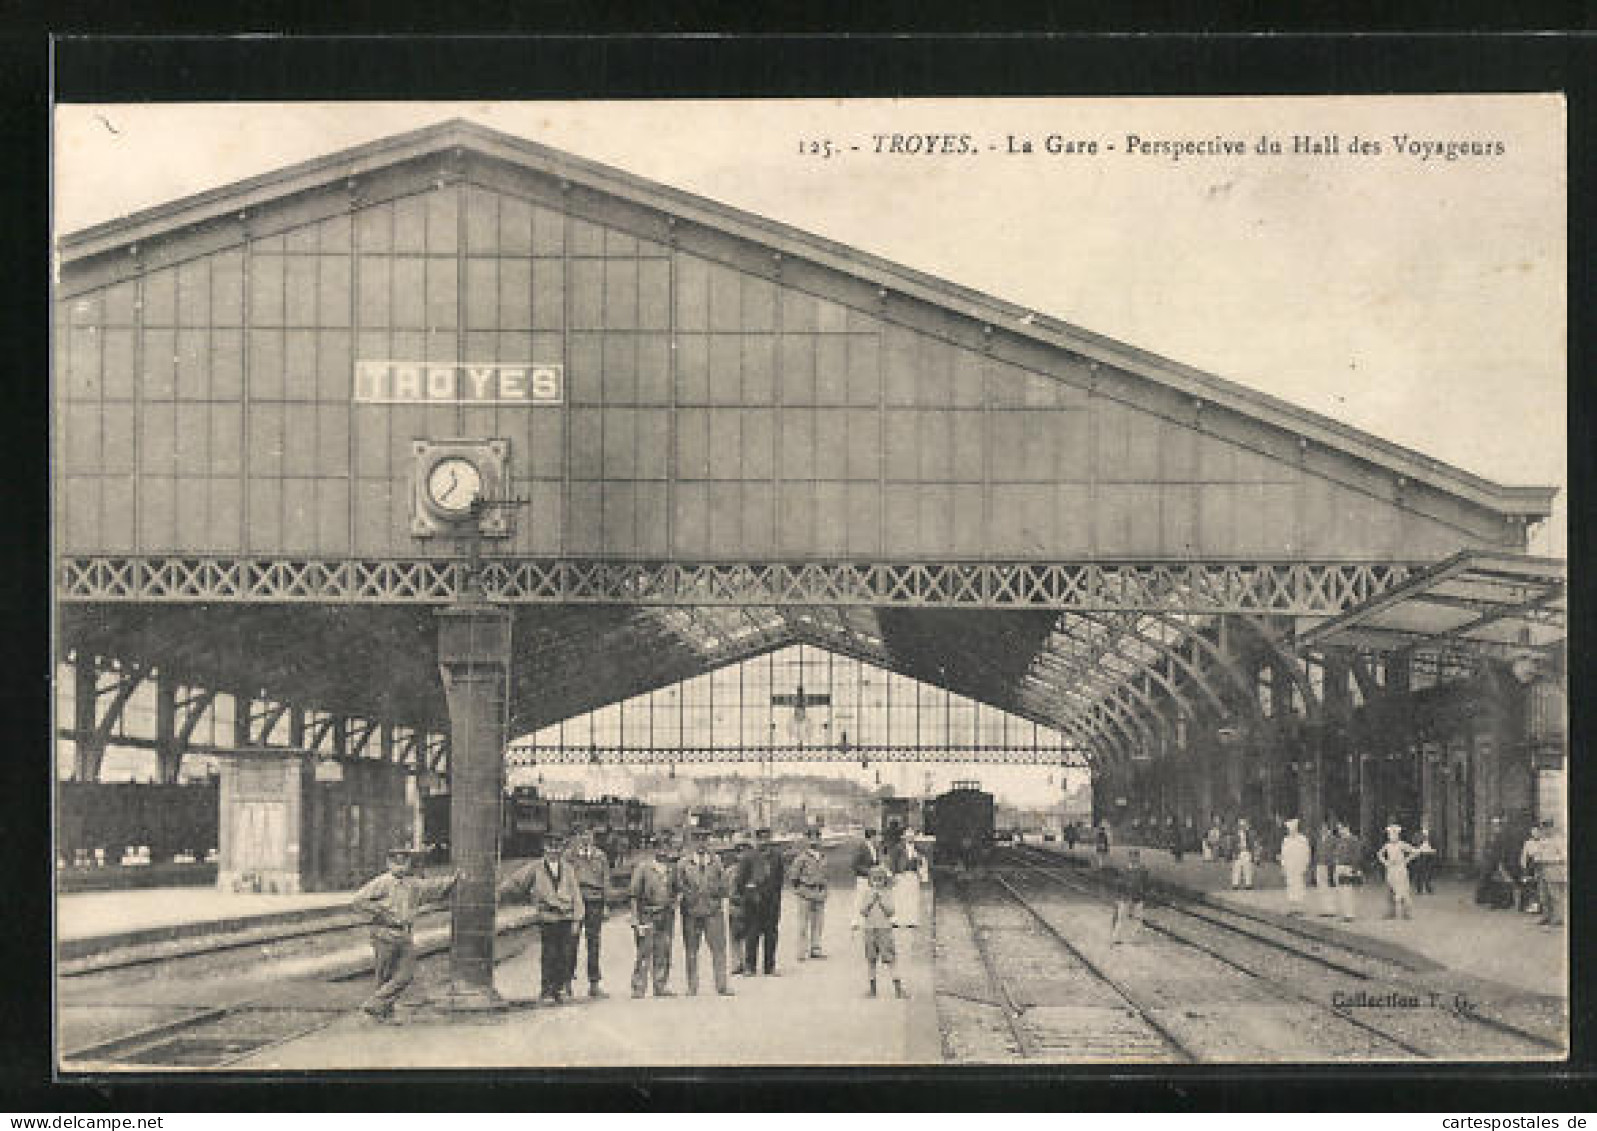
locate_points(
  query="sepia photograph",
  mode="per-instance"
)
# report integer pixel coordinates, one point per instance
(820, 582)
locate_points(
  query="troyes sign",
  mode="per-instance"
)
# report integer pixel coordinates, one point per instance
(485, 383)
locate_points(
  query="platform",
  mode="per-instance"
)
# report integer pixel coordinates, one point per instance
(811, 1013)
(93, 920)
(1448, 930)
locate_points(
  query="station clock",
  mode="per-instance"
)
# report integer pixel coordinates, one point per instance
(453, 479)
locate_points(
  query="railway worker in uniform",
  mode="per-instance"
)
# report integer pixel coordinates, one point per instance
(653, 896)
(737, 911)
(1296, 856)
(1394, 856)
(1101, 845)
(866, 857)
(1130, 898)
(878, 919)
(1324, 864)
(1345, 865)
(550, 885)
(1244, 848)
(762, 888)
(391, 902)
(809, 881)
(592, 868)
(1496, 886)
(1424, 866)
(702, 884)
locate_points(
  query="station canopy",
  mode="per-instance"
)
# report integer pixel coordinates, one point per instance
(1041, 519)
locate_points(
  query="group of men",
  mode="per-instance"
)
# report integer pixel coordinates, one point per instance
(1535, 878)
(721, 905)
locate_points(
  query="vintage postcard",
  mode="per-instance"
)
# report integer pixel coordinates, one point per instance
(832, 583)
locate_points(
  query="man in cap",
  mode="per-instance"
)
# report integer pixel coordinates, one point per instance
(653, 892)
(866, 857)
(391, 902)
(1345, 868)
(550, 883)
(1296, 856)
(1244, 847)
(1496, 886)
(1394, 856)
(592, 868)
(737, 908)
(759, 886)
(702, 884)
(809, 880)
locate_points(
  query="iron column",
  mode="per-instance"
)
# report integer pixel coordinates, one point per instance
(474, 661)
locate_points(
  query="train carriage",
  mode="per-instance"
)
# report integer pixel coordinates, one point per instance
(962, 821)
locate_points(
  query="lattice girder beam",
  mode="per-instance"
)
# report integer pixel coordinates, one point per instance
(1284, 588)
(552, 755)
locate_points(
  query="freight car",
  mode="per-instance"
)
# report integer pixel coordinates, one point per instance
(99, 820)
(619, 825)
(961, 820)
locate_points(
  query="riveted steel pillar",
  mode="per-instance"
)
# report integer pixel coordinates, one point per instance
(474, 661)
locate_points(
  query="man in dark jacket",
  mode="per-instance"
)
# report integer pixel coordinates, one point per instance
(759, 888)
(592, 868)
(866, 857)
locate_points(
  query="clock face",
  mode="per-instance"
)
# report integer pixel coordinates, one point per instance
(453, 484)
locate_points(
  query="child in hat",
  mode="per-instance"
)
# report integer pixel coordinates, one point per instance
(878, 918)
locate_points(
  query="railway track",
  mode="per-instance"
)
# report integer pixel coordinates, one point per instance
(1079, 1013)
(152, 1017)
(1414, 1015)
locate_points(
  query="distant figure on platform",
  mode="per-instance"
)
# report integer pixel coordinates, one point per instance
(1130, 898)
(759, 886)
(809, 881)
(1495, 888)
(550, 885)
(592, 868)
(1423, 870)
(1530, 859)
(1345, 869)
(903, 861)
(1213, 842)
(1324, 869)
(1243, 847)
(1296, 859)
(653, 892)
(391, 903)
(1100, 855)
(1394, 856)
(737, 918)
(866, 857)
(1172, 836)
(702, 885)
(878, 919)
(1552, 874)
(1070, 836)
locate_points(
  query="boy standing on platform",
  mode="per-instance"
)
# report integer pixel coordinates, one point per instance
(878, 920)
(653, 913)
(391, 902)
(592, 868)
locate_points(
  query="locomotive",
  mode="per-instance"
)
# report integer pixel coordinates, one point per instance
(962, 820)
(619, 825)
